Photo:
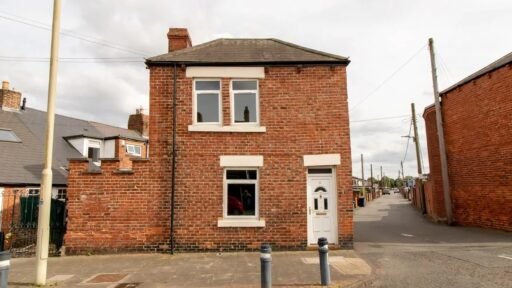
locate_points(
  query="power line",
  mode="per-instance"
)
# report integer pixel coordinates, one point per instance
(379, 119)
(39, 25)
(389, 77)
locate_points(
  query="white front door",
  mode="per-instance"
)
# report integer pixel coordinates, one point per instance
(321, 206)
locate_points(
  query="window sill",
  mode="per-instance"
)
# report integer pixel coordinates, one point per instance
(216, 128)
(222, 222)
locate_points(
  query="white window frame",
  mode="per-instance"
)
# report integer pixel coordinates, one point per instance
(232, 102)
(194, 101)
(93, 144)
(29, 189)
(134, 153)
(61, 194)
(242, 181)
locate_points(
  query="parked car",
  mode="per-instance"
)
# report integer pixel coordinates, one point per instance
(385, 192)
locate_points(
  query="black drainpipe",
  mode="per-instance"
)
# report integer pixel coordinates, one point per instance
(173, 174)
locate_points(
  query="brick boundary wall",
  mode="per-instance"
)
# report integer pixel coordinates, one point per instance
(304, 111)
(478, 123)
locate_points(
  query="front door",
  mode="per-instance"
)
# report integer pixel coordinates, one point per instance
(321, 206)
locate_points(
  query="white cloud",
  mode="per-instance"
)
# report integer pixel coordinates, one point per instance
(379, 36)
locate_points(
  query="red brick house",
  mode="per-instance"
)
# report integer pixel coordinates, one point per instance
(477, 121)
(21, 162)
(249, 143)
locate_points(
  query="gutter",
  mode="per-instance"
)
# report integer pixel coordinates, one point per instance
(173, 174)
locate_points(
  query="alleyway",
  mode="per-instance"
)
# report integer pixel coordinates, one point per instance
(406, 250)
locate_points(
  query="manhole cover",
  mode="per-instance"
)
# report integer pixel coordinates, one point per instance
(106, 278)
(127, 285)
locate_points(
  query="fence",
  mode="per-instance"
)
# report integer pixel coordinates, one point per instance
(19, 216)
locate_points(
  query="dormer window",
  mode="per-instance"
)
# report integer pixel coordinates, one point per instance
(207, 102)
(244, 102)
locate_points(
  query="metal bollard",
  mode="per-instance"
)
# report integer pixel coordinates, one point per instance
(5, 264)
(323, 252)
(266, 266)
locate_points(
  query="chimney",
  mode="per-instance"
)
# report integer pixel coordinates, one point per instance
(10, 100)
(139, 122)
(178, 39)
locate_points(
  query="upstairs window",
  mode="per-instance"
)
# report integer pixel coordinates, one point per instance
(8, 135)
(207, 102)
(133, 149)
(245, 102)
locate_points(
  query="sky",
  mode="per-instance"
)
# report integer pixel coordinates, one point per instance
(102, 76)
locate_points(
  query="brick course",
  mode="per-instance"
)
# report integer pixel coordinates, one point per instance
(478, 123)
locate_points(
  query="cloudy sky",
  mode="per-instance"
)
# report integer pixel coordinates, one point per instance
(386, 41)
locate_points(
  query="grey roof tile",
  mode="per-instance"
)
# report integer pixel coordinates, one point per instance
(233, 51)
(22, 162)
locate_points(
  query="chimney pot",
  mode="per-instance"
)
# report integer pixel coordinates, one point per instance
(178, 39)
(5, 85)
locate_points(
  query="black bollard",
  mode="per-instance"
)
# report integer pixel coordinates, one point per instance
(323, 253)
(266, 266)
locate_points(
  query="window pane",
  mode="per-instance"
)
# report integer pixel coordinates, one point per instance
(241, 199)
(207, 107)
(137, 150)
(94, 154)
(241, 174)
(245, 107)
(245, 85)
(320, 171)
(8, 135)
(207, 85)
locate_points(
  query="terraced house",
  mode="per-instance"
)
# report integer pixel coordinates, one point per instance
(22, 132)
(249, 143)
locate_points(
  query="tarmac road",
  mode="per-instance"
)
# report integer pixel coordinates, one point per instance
(405, 249)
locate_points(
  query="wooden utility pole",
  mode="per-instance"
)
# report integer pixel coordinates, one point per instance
(381, 178)
(440, 135)
(419, 186)
(416, 139)
(43, 222)
(371, 176)
(362, 173)
(402, 165)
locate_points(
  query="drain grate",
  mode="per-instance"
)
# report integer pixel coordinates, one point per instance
(127, 285)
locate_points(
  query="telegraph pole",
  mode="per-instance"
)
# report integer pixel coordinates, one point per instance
(402, 165)
(371, 176)
(440, 135)
(362, 173)
(43, 223)
(381, 177)
(416, 139)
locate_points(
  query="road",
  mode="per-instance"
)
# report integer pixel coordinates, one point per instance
(405, 249)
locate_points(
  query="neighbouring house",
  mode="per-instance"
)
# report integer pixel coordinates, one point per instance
(477, 122)
(22, 134)
(250, 144)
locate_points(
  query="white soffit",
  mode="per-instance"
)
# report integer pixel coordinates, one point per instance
(226, 72)
(322, 160)
(241, 161)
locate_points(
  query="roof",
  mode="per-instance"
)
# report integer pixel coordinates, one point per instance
(22, 162)
(247, 52)
(489, 68)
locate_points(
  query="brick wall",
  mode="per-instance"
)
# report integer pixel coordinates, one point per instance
(478, 123)
(304, 111)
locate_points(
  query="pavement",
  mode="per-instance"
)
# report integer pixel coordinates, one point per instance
(289, 269)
